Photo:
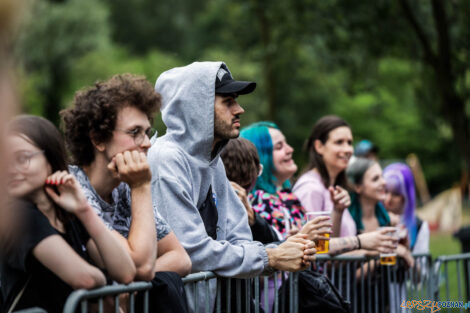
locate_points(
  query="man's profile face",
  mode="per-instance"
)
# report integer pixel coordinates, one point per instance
(227, 113)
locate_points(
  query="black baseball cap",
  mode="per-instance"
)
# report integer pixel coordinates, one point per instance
(225, 84)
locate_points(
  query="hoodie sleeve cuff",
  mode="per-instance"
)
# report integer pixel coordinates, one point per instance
(268, 270)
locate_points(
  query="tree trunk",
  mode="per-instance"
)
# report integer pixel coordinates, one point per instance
(268, 63)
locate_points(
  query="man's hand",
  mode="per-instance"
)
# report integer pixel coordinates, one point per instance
(315, 228)
(292, 255)
(379, 240)
(131, 167)
(340, 198)
(241, 193)
(69, 195)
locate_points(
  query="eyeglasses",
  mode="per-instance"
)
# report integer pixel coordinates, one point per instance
(138, 134)
(21, 161)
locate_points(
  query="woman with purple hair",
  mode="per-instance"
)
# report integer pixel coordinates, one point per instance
(400, 200)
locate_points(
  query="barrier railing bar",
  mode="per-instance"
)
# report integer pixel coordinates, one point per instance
(131, 302)
(459, 288)
(146, 301)
(276, 298)
(376, 287)
(257, 299)
(238, 293)
(219, 295)
(229, 292)
(100, 306)
(207, 296)
(248, 295)
(265, 289)
(116, 304)
(340, 278)
(361, 264)
(84, 306)
(291, 293)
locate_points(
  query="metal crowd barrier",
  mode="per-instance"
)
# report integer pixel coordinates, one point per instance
(451, 276)
(369, 286)
(31, 310)
(242, 295)
(82, 298)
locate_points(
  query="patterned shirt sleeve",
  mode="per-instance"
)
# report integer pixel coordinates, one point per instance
(163, 228)
(89, 193)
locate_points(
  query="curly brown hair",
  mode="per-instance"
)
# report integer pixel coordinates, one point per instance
(241, 162)
(95, 110)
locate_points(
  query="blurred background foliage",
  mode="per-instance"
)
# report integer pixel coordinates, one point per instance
(396, 70)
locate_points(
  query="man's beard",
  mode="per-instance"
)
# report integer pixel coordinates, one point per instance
(225, 131)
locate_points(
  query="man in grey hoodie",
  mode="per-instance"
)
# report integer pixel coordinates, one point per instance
(189, 185)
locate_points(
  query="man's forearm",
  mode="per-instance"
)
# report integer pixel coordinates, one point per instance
(343, 244)
(142, 237)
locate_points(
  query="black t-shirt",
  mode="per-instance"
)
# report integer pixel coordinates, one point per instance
(44, 289)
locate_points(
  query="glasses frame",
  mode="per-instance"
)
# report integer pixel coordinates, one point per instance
(29, 155)
(139, 137)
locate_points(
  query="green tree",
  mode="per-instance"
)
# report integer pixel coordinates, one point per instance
(54, 36)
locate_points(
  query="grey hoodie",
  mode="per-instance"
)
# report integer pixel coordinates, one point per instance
(183, 173)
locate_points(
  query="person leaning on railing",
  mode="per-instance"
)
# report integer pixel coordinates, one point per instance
(366, 207)
(61, 238)
(189, 185)
(400, 202)
(108, 130)
(322, 187)
(274, 201)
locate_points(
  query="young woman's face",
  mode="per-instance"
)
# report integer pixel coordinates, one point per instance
(373, 184)
(337, 150)
(394, 202)
(284, 165)
(27, 167)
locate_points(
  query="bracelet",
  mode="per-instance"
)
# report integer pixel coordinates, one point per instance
(358, 242)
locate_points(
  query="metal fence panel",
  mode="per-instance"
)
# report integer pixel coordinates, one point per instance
(369, 286)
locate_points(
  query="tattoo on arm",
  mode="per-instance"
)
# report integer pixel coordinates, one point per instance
(343, 244)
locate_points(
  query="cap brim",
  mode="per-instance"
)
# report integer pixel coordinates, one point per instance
(238, 87)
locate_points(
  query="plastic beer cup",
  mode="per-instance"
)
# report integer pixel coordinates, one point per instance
(389, 259)
(322, 246)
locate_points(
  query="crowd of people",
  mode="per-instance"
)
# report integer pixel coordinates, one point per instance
(111, 201)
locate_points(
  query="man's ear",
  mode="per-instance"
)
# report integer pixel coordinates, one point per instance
(100, 146)
(318, 146)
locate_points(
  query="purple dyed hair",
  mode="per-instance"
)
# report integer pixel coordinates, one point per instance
(400, 180)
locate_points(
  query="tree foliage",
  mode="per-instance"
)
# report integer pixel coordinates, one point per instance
(396, 70)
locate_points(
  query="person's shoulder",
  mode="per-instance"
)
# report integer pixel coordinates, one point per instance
(309, 182)
(165, 151)
(80, 176)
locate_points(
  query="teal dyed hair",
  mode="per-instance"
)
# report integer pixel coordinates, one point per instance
(258, 134)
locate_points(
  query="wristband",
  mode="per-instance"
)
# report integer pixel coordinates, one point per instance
(358, 242)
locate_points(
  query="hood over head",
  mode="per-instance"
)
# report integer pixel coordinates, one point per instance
(188, 95)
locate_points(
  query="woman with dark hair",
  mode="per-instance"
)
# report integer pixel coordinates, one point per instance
(323, 186)
(273, 199)
(242, 167)
(61, 235)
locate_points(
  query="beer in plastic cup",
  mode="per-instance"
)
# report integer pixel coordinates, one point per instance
(389, 259)
(322, 246)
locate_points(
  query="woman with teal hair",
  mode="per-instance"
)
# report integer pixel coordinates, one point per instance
(272, 197)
